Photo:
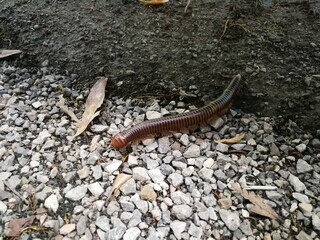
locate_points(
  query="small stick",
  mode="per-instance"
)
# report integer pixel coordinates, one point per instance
(264, 188)
(185, 9)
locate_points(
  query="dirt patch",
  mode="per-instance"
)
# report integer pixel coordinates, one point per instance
(152, 50)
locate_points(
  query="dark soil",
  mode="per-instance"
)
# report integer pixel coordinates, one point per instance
(152, 50)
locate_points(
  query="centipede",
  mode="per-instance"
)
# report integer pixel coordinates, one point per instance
(176, 122)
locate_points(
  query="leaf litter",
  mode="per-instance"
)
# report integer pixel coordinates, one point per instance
(259, 206)
(93, 102)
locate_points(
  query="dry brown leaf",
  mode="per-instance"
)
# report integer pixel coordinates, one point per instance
(6, 53)
(94, 101)
(17, 225)
(259, 207)
(153, 2)
(121, 179)
(235, 139)
(65, 109)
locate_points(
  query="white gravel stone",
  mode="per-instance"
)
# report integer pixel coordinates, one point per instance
(182, 212)
(178, 227)
(152, 115)
(303, 166)
(77, 193)
(3, 207)
(51, 203)
(113, 166)
(102, 222)
(316, 222)
(192, 151)
(37, 104)
(67, 228)
(140, 173)
(175, 179)
(132, 234)
(156, 175)
(301, 147)
(296, 183)
(230, 218)
(95, 189)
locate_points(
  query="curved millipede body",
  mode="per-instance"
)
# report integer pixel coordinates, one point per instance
(176, 122)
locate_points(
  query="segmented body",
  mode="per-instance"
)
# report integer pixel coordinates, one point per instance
(176, 122)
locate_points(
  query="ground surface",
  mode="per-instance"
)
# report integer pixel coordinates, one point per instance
(147, 50)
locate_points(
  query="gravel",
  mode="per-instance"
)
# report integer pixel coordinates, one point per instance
(180, 182)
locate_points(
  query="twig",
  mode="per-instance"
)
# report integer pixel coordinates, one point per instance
(185, 9)
(264, 188)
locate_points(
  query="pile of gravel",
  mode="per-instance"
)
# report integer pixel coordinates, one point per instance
(180, 182)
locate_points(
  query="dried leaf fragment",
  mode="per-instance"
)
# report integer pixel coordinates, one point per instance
(121, 179)
(66, 110)
(153, 2)
(17, 225)
(259, 206)
(94, 101)
(235, 139)
(6, 53)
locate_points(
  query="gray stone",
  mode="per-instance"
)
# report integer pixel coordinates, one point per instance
(175, 179)
(221, 147)
(135, 219)
(301, 147)
(81, 225)
(182, 212)
(140, 173)
(316, 222)
(96, 189)
(67, 228)
(301, 197)
(77, 193)
(156, 175)
(129, 187)
(303, 166)
(132, 234)
(163, 145)
(195, 231)
(178, 227)
(230, 218)
(206, 174)
(179, 197)
(51, 203)
(296, 183)
(192, 151)
(102, 222)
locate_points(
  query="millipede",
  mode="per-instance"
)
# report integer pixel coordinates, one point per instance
(173, 123)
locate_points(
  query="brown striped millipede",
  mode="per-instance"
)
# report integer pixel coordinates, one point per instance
(176, 122)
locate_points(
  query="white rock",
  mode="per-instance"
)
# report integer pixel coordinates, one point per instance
(52, 203)
(140, 173)
(77, 193)
(67, 228)
(178, 227)
(152, 115)
(132, 234)
(192, 152)
(95, 189)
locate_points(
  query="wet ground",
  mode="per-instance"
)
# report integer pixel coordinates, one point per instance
(155, 50)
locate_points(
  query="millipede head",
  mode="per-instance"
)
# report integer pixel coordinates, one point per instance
(118, 141)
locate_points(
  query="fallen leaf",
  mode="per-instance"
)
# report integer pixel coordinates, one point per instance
(121, 179)
(235, 139)
(17, 225)
(259, 206)
(6, 53)
(94, 101)
(153, 2)
(65, 109)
